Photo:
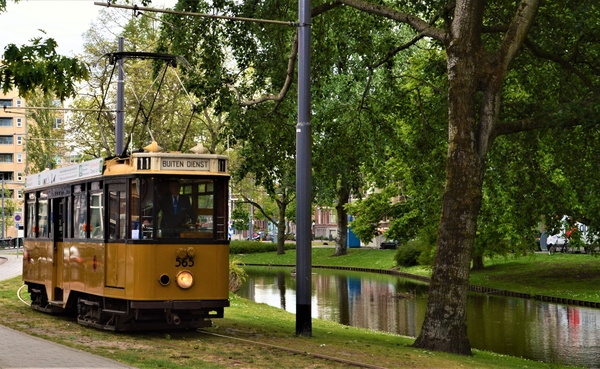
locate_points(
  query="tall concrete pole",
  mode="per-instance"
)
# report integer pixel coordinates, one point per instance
(120, 124)
(303, 177)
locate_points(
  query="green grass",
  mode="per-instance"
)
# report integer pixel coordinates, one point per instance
(572, 276)
(365, 258)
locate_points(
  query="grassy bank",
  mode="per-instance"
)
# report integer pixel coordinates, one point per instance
(572, 276)
(247, 323)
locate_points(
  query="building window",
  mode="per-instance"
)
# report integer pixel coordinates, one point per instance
(6, 122)
(19, 194)
(19, 140)
(7, 176)
(19, 158)
(6, 140)
(57, 123)
(19, 176)
(19, 103)
(19, 122)
(6, 158)
(5, 102)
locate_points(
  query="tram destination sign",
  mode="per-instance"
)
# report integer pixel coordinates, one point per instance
(170, 163)
(68, 173)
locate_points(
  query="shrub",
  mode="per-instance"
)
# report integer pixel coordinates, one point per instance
(237, 274)
(408, 254)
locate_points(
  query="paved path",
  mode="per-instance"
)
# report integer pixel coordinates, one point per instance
(21, 351)
(11, 263)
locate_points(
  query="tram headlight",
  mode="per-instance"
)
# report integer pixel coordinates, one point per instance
(185, 279)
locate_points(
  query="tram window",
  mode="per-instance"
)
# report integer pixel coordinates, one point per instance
(30, 226)
(60, 217)
(141, 208)
(116, 210)
(80, 215)
(43, 218)
(96, 220)
(134, 210)
(205, 201)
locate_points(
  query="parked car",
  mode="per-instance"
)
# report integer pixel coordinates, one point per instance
(261, 236)
(389, 244)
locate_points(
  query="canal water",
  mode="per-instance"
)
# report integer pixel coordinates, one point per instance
(531, 329)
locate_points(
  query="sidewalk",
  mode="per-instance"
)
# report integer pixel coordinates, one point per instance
(21, 351)
(11, 264)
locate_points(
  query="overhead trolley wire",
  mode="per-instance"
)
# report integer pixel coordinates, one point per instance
(201, 15)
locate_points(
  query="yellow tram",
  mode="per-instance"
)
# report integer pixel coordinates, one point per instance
(134, 243)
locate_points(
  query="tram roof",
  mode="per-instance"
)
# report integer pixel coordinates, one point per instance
(137, 163)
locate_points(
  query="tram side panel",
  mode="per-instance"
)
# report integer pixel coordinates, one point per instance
(94, 267)
(115, 268)
(35, 262)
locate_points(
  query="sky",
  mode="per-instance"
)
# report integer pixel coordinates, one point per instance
(64, 20)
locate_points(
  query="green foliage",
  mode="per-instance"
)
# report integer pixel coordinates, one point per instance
(411, 179)
(427, 239)
(164, 119)
(407, 255)
(39, 66)
(237, 274)
(44, 141)
(240, 217)
(253, 247)
(419, 250)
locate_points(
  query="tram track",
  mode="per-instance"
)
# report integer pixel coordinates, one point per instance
(329, 358)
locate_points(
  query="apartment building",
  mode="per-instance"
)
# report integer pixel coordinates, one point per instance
(13, 158)
(13, 161)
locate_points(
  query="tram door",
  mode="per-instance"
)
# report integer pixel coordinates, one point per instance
(116, 247)
(58, 212)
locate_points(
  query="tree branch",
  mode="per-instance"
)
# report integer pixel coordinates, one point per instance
(518, 30)
(562, 62)
(291, 61)
(582, 117)
(423, 27)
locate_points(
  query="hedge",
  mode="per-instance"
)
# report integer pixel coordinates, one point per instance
(253, 247)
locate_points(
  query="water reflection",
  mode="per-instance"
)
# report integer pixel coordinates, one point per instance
(525, 328)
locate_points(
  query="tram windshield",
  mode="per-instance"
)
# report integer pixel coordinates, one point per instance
(167, 207)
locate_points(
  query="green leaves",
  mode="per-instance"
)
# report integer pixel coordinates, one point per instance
(39, 66)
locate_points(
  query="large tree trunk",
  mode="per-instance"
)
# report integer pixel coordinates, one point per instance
(475, 79)
(341, 241)
(445, 325)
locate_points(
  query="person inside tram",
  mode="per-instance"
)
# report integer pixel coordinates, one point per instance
(176, 211)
